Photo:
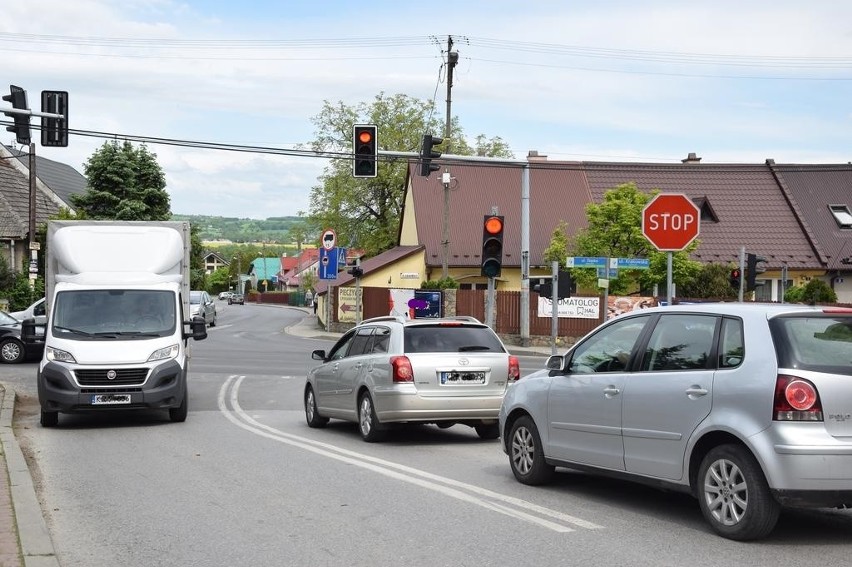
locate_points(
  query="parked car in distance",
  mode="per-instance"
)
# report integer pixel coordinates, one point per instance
(36, 310)
(201, 305)
(12, 348)
(390, 370)
(745, 406)
(225, 294)
(237, 298)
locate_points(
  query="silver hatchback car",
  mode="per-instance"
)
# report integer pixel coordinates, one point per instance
(746, 406)
(392, 370)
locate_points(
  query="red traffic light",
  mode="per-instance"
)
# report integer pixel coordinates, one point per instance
(365, 137)
(735, 274)
(493, 225)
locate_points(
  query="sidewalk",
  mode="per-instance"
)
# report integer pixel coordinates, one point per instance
(24, 538)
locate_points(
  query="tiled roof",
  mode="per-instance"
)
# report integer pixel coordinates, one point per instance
(15, 202)
(554, 196)
(813, 188)
(61, 178)
(751, 208)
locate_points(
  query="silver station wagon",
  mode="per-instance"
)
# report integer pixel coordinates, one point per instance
(394, 370)
(746, 406)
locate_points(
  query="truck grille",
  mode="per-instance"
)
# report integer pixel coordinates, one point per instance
(123, 377)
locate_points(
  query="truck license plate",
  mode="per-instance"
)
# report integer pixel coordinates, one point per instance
(104, 399)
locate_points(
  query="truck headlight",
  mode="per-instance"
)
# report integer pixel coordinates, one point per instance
(164, 353)
(57, 355)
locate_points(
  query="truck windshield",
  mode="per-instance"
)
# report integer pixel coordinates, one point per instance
(113, 314)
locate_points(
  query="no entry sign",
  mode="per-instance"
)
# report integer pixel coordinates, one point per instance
(670, 221)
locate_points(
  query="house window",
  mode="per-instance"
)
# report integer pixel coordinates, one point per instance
(841, 215)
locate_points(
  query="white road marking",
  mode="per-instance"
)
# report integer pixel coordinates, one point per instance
(228, 394)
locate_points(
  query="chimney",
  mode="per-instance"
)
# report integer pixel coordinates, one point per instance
(691, 158)
(534, 156)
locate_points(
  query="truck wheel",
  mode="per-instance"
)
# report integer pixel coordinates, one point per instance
(49, 418)
(178, 414)
(11, 351)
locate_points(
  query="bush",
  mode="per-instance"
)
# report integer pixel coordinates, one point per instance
(443, 283)
(815, 291)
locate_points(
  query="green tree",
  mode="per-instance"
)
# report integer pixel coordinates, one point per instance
(615, 231)
(365, 213)
(124, 183)
(557, 250)
(197, 273)
(711, 282)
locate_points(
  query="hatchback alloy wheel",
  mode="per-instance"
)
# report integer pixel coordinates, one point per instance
(526, 454)
(734, 495)
(11, 351)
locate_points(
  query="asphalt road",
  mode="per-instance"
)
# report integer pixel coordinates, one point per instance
(244, 481)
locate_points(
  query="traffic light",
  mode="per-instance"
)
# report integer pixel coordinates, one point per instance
(428, 153)
(735, 278)
(355, 271)
(54, 131)
(566, 285)
(492, 246)
(18, 98)
(366, 150)
(544, 288)
(754, 265)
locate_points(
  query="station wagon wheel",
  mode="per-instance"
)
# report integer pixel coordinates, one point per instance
(488, 431)
(11, 351)
(526, 454)
(368, 423)
(312, 416)
(734, 495)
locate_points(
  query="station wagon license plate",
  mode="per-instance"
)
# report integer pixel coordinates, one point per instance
(462, 377)
(104, 399)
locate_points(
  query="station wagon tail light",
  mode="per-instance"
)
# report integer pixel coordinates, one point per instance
(402, 371)
(514, 368)
(796, 399)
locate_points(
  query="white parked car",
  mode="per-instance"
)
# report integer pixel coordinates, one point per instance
(35, 311)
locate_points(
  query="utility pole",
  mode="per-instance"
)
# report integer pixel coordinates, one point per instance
(33, 241)
(452, 60)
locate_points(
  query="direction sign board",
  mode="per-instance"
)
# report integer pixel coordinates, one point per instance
(631, 263)
(670, 221)
(328, 239)
(585, 262)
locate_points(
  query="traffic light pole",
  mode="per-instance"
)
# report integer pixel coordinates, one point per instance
(742, 274)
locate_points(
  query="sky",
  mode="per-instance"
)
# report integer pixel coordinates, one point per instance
(732, 81)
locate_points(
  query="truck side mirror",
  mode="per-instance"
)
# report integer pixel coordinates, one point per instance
(28, 331)
(198, 328)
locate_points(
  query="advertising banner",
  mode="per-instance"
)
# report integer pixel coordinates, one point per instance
(571, 307)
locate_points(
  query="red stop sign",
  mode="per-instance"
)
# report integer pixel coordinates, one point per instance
(670, 221)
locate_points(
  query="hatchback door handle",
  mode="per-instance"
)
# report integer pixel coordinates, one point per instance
(611, 391)
(696, 391)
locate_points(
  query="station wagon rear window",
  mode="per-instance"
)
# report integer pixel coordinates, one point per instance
(451, 338)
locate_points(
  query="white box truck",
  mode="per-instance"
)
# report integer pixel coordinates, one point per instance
(117, 299)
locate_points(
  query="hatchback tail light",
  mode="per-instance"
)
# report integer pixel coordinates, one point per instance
(402, 371)
(796, 399)
(514, 369)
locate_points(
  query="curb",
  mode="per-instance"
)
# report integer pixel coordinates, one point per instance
(33, 535)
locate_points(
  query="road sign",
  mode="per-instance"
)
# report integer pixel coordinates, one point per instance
(329, 239)
(670, 221)
(631, 263)
(585, 262)
(328, 264)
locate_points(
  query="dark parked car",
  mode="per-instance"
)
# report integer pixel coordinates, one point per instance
(12, 349)
(237, 298)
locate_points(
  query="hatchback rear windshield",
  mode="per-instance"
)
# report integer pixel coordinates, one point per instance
(820, 344)
(451, 338)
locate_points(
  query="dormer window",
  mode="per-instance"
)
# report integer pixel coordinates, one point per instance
(841, 215)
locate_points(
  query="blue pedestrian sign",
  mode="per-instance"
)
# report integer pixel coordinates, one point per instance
(328, 259)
